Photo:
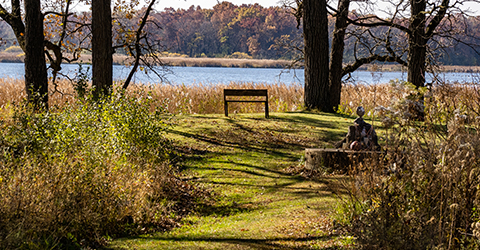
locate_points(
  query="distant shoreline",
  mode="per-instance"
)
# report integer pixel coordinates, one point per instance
(6, 57)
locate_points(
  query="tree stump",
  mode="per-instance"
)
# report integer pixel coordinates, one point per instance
(332, 159)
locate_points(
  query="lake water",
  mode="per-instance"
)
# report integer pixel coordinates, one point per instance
(214, 75)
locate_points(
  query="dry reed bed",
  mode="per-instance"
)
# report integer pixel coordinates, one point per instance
(394, 67)
(461, 97)
(11, 57)
(424, 194)
(192, 99)
(171, 61)
(208, 98)
(224, 62)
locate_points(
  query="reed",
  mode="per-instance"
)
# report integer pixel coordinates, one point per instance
(208, 98)
(12, 57)
(368, 96)
(13, 91)
(224, 62)
(200, 98)
(424, 193)
(442, 96)
(180, 99)
(168, 59)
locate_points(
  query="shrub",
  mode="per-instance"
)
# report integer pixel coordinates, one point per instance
(14, 49)
(169, 54)
(240, 55)
(424, 193)
(85, 173)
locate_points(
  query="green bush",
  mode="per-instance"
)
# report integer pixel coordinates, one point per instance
(14, 49)
(91, 171)
(240, 55)
(424, 194)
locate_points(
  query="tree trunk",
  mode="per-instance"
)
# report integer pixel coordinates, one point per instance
(36, 80)
(417, 42)
(315, 31)
(338, 45)
(102, 61)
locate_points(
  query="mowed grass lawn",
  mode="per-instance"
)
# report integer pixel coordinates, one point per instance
(262, 197)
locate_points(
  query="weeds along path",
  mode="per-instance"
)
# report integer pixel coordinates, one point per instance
(253, 167)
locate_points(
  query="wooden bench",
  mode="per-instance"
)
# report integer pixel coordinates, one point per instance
(245, 92)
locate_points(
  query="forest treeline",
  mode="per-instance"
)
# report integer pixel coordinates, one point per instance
(250, 31)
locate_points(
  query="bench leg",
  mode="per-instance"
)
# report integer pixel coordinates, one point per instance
(226, 108)
(266, 110)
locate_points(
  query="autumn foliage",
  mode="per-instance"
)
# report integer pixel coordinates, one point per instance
(225, 30)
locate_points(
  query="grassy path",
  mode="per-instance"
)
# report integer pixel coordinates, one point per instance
(262, 198)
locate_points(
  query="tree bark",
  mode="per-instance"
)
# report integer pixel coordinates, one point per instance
(417, 42)
(102, 61)
(315, 31)
(36, 79)
(338, 46)
(14, 19)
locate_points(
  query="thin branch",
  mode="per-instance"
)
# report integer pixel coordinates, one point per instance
(138, 51)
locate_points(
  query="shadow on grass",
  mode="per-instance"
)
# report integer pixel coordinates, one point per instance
(330, 124)
(237, 149)
(304, 193)
(306, 121)
(209, 209)
(260, 147)
(251, 243)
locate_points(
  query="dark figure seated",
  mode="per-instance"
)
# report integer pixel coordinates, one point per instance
(361, 136)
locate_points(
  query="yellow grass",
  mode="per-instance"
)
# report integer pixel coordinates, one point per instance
(193, 99)
(19, 57)
(13, 91)
(453, 96)
(225, 62)
(202, 62)
(208, 98)
(368, 96)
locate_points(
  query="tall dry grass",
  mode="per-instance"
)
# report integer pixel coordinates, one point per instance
(180, 99)
(208, 98)
(368, 96)
(224, 62)
(424, 192)
(119, 59)
(12, 90)
(442, 96)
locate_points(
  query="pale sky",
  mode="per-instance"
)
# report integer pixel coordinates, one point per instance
(208, 4)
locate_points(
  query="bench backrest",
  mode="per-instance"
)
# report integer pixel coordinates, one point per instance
(245, 92)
